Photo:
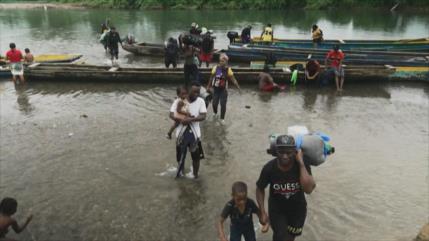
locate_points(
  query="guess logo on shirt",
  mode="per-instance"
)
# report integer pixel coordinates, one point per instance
(286, 189)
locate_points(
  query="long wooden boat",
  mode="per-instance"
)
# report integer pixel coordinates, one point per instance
(163, 75)
(420, 73)
(410, 45)
(145, 49)
(42, 58)
(248, 54)
(155, 50)
(324, 51)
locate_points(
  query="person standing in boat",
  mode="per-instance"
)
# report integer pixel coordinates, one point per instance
(190, 68)
(335, 59)
(245, 35)
(218, 85)
(207, 46)
(188, 132)
(171, 53)
(15, 57)
(113, 41)
(267, 36)
(316, 35)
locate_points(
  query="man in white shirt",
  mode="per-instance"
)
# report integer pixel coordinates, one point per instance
(188, 132)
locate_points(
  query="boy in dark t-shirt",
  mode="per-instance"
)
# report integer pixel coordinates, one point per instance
(240, 210)
(288, 178)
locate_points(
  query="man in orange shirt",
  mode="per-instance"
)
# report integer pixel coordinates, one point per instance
(335, 59)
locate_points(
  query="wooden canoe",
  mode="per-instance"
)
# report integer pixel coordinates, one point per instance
(248, 54)
(411, 45)
(42, 58)
(148, 49)
(163, 75)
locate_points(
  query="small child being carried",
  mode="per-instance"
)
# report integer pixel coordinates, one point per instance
(240, 210)
(8, 208)
(182, 110)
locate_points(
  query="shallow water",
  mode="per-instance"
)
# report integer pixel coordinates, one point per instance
(91, 162)
(110, 176)
(77, 31)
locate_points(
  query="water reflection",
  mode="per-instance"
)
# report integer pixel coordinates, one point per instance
(23, 100)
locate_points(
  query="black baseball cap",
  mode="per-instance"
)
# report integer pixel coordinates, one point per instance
(285, 141)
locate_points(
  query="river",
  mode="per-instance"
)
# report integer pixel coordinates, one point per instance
(91, 162)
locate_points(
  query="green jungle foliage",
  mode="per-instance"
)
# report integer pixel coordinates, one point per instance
(239, 4)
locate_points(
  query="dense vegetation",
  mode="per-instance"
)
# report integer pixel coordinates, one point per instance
(247, 4)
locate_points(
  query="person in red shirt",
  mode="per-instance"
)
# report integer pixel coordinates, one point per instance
(335, 59)
(14, 56)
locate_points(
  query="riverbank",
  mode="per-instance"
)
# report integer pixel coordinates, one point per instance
(41, 6)
(408, 5)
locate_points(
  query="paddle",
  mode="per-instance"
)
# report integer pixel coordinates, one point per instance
(412, 40)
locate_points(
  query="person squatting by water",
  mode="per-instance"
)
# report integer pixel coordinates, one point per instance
(312, 70)
(188, 132)
(8, 207)
(113, 41)
(14, 57)
(288, 178)
(240, 209)
(221, 74)
(335, 59)
(171, 54)
(182, 110)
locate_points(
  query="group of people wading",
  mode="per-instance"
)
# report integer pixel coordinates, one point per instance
(287, 174)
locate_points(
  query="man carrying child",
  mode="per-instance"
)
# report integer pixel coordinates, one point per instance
(188, 131)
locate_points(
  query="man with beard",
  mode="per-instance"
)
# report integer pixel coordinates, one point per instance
(288, 178)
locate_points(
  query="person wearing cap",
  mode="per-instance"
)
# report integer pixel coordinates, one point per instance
(221, 74)
(289, 178)
(194, 29)
(245, 35)
(207, 46)
(335, 59)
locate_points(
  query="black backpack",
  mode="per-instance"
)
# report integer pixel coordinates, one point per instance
(206, 44)
(172, 48)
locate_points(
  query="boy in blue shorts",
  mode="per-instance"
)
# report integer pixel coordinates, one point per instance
(240, 210)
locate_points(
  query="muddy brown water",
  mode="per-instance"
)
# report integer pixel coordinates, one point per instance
(91, 162)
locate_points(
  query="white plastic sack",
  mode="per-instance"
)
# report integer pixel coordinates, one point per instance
(297, 130)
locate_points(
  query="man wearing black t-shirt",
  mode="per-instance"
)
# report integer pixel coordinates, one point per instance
(288, 178)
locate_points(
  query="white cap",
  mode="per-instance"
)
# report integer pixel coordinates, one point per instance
(194, 25)
(203, 30)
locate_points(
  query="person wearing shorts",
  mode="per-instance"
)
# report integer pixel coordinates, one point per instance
(15, 57)
(288, 178)
(335, 59)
